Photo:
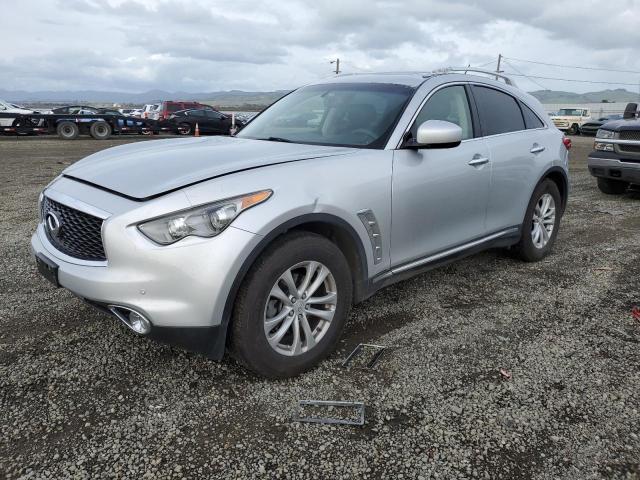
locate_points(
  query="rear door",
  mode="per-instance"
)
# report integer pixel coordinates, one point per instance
(440, 195)
(518, 146)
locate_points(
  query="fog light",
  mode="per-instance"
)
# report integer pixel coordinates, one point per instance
(139, 324)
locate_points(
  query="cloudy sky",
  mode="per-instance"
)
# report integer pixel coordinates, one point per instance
(200, 45)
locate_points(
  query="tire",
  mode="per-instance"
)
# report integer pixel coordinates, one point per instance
(255, 305)
(573, 130)
(100, 130)
(68, 130)
(529, 249)
(184, 128)
(612, 187)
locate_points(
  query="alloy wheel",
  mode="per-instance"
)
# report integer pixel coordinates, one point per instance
(544, 220)
(300, 308)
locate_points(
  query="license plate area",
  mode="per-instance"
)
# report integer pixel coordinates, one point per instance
(48, 269)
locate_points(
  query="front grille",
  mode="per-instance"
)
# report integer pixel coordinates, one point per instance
(79, 235)
(630, 135)
(629, 148)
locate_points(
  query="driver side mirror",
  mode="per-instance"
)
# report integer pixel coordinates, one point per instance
(436, 134)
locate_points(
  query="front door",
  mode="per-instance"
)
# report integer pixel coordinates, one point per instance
(440, 195)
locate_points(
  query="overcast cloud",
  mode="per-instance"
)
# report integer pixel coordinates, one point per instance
(200, 45)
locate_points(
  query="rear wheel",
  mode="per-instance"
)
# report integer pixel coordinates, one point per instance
(612, 187)
(292, 307)
(541, 222)
(184, 129)
(68, 130)
(100, 130)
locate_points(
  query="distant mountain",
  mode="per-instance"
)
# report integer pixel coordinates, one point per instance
(232, 97)
(238, 98)
(619, 95)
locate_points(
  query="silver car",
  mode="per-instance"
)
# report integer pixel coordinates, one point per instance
(261, 243)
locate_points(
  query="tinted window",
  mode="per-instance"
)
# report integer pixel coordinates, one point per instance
(449, 104)
(499, 112)
(531, 120)
(212, 114)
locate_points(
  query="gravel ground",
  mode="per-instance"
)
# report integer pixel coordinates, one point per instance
(82, 397)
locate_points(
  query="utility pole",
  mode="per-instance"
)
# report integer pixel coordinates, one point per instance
(337, 62)
(498, 67)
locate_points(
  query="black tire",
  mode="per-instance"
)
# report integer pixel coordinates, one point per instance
(249, 344)
(573, 129)
(612, 187)
(100, 130)
(525, 249)
(184, 128)
(68, 130)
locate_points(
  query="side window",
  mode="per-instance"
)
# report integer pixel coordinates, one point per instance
(531, 120)
(499, 112)
(449, 104)
(212, 114)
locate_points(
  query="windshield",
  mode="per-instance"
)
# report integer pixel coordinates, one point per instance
(338, 114)
(571, 112)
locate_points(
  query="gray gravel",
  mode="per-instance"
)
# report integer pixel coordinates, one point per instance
(81, 397)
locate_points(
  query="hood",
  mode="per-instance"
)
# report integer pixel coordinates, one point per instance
(145, 170)
(625, 124)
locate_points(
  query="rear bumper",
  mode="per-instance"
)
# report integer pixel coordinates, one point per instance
(614, 169)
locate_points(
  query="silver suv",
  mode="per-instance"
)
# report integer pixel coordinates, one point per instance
(262, 242)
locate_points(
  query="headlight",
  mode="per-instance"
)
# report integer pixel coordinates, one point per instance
(605, 134)
(204, 221)
(604, 147)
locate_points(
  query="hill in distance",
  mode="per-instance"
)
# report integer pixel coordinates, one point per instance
(257, 100)
(619, 95)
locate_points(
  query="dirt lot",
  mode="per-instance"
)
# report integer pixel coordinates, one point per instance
(81, 397)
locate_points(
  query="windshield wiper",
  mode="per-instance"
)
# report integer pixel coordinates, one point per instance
(276, 139)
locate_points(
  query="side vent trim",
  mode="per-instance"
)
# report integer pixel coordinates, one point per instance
(370, 223)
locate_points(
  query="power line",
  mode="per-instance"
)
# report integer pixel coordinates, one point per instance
(572, 80)
(572, 66)
(485, 64)
(530, 79)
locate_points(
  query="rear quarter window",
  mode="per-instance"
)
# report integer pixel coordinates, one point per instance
(531, 120)
(499, 112)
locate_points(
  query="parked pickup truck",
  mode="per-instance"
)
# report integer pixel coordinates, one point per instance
(615, 161)
(571, 119)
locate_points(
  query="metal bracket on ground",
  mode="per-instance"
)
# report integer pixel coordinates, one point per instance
(356, 407)
(361, 348)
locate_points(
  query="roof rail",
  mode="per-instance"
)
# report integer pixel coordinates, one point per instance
(508, 80)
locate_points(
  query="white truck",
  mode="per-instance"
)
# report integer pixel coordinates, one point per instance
(571, 119)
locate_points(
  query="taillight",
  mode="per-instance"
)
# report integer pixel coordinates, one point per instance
(567, 143)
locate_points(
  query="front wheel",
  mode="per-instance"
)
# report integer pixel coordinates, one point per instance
(292, 306)
(612, 187)
(573, 130)
(541, 222)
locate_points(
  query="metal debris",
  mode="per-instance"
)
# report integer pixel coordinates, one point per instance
(356, 407)
(360, 349)
(506, 374)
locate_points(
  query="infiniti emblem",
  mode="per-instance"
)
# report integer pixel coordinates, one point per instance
(53, 223)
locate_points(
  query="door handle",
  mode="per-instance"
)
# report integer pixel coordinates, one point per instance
(536, 148)
(478, 160)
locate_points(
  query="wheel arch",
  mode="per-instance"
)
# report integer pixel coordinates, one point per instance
(330, 226)
(559, 177)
